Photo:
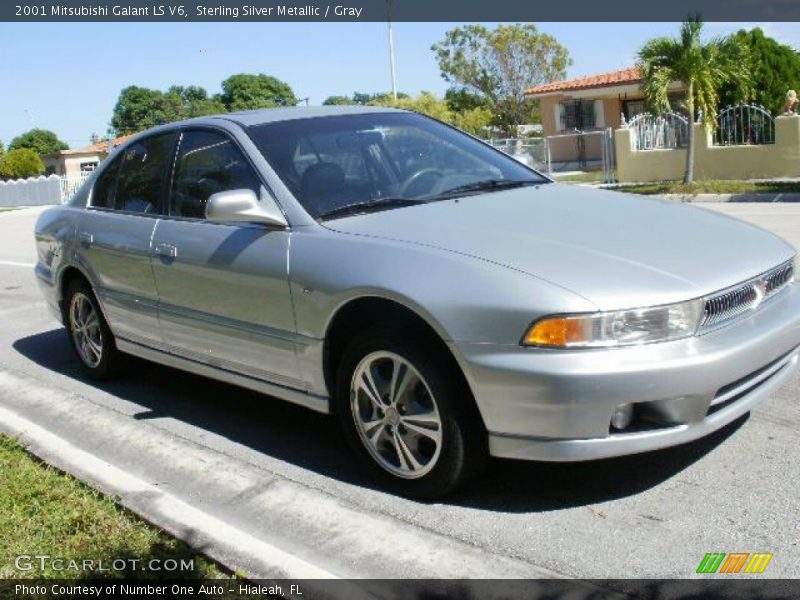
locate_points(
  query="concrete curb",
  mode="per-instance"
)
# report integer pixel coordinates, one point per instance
(196, 528)
(227, 509)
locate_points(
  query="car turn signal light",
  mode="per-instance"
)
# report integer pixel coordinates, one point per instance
(557, 331)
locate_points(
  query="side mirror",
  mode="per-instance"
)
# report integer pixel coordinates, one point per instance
(242, 206)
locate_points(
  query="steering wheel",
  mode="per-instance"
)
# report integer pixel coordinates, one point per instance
(414, 178)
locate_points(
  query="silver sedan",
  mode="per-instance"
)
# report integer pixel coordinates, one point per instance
(446, 302)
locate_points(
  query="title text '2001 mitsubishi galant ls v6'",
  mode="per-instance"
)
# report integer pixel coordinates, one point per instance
(446, 302)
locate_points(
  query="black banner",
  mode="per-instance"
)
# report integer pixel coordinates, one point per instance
(753, 588)
(401, 10)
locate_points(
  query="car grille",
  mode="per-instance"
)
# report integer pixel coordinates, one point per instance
(744, 297)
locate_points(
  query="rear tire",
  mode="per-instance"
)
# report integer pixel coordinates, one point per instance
(89, 334)
(407, 415)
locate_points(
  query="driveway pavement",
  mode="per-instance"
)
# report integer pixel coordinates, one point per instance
(270, 488)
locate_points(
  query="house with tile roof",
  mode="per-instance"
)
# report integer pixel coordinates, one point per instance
(80, 161)
(589, 103)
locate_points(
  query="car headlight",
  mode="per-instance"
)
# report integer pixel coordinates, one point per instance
(617, 328)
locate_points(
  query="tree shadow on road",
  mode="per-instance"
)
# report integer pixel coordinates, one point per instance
(312, 441)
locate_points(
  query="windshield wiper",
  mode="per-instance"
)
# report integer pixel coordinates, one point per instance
(366, 206)
(484, 185)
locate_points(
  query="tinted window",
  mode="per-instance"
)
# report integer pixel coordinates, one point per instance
(329, 162)
(106, 185)
(207, 163)
(141, 174)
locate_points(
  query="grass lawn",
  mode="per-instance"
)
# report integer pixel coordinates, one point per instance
(43, 511)
(713, 187)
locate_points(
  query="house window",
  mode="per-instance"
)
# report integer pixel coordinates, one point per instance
(577, 114)
(88, 167)
(631, 108)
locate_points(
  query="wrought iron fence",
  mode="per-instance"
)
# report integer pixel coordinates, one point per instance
(655, 132)
(71, 184)
(744, 124)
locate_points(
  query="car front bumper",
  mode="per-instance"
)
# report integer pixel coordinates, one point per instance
(556, 405)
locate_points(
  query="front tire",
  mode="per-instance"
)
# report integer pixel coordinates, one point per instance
(407, 415)
(89, 334)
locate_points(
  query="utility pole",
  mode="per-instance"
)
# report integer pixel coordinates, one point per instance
(391, 47)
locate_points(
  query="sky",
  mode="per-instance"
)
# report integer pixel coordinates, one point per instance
(67, 77)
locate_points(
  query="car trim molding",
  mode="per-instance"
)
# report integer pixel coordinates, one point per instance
(314, 402)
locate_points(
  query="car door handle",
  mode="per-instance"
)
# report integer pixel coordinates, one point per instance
(166, 250)
(85, 238)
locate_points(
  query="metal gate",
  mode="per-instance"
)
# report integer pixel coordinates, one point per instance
(584, 151)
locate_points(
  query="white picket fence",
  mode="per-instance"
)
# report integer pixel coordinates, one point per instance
(39, 191)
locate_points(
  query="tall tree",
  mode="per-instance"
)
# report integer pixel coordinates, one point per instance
(460, 99)
(362, 98)
(774, 69)
(500, 64)
(193, 101)
(338, 101)
(474, 120)
(701, 66)
(246, 92)
(41, 141)
(139, 108)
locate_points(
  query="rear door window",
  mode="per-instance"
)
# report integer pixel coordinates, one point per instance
(142, 173)
(105, 187)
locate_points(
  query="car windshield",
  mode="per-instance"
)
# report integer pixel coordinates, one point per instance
(346, 164)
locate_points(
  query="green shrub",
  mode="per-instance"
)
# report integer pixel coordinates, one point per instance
(20, 163)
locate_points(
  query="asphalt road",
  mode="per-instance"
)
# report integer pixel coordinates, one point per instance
(280, 476)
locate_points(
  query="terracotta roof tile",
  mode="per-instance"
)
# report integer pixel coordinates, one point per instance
(103, 145)
(629, 75)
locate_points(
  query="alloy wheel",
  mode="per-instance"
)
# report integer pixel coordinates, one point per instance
(396, 415)
(87, 335)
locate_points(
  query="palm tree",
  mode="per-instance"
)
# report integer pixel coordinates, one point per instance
(701, 67)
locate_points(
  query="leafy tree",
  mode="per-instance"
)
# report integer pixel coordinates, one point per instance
(461, 99)
(193, 101)
(500, 64)
(360, 98)
(2, 150)
(139, 108)
(41, 141)
(246, 92)
(472, 121)
(338, 101)
(774, 69)
(20, 163)
(702, 68)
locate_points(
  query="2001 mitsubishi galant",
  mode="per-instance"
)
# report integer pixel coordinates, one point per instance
(445, 301)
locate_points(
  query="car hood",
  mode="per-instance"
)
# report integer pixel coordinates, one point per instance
(616, 250)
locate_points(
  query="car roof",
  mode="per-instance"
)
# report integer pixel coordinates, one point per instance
(271, 115)
(261, 116)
